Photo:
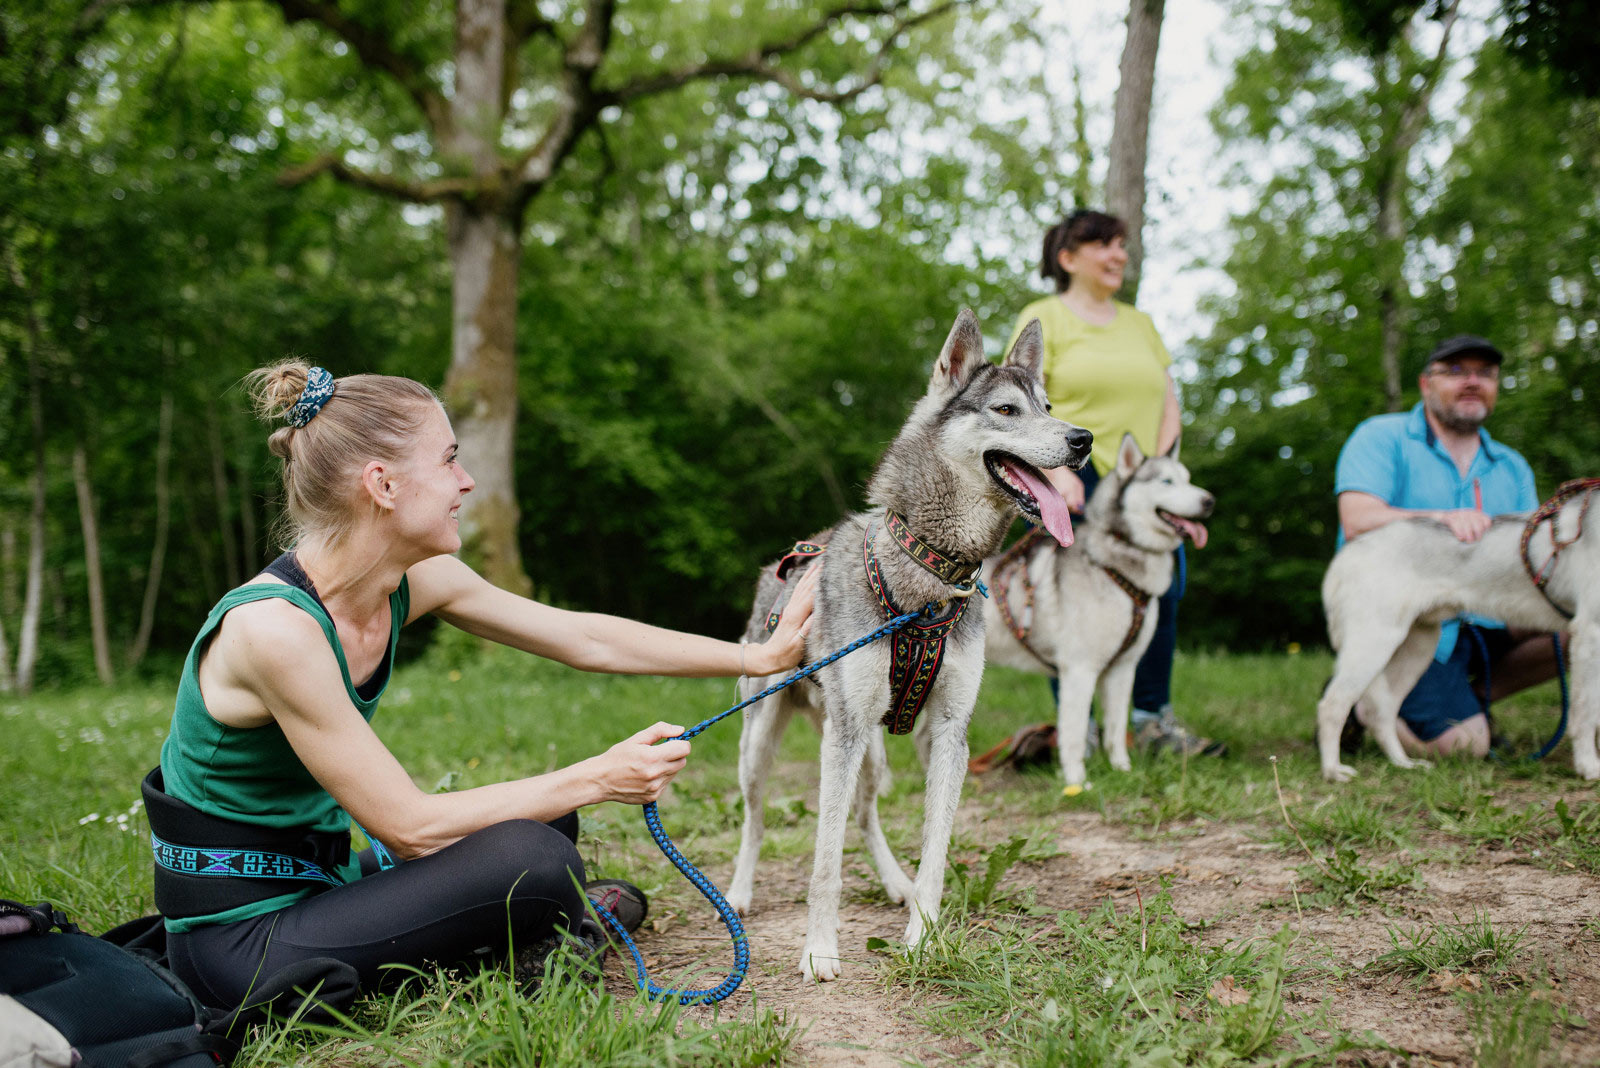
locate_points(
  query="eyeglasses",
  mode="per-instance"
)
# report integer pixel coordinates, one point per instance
(1457, 372)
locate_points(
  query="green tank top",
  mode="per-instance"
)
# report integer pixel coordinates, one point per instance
(252, 775)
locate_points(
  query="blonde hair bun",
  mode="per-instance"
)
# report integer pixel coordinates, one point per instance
(274, 390)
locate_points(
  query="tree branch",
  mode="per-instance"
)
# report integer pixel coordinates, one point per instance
(757, 63)
(414, 192)
(524, 21)
(376, 51)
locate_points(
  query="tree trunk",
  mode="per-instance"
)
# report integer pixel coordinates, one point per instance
(158, 551)
(33, 597)
(91, 561)
(481, 389)
(485, 240)
(8, 605)
(1130, 132)
(219, 489)
(1392, 189)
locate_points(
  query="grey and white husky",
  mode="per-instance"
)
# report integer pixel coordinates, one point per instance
(1093, 604)
(964, 465)
(1387, 592)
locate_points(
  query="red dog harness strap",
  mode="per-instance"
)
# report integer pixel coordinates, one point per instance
(1547, 511)
(1016, 559)
(802, 551)
(917, 650)
(947, 570)
(1141, 603)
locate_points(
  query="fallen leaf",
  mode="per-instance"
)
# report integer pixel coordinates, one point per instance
(1226, 992)
(1446, 981)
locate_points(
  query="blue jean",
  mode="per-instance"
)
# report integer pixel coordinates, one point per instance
(1152, 679)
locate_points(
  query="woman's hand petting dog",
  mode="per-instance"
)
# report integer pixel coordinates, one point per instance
(636, 770)
(784, 649)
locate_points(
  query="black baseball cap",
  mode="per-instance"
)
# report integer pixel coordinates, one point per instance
(1463, 345)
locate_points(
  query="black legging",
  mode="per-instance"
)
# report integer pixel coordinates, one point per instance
(519, 878)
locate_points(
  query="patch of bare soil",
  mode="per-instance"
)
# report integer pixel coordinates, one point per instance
(1224, 878)
(851, 1021)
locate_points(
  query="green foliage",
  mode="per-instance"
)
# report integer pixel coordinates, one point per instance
(1515, 1030)
(1475, 945)
(1499, 247)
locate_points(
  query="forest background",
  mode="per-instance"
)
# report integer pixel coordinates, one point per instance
(680, 268)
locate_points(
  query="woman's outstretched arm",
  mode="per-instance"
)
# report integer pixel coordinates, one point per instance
(591, 641)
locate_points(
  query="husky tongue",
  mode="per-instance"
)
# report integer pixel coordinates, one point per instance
(1052, 509)
(1196, 532)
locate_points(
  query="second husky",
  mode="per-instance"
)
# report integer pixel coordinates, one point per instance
(1087, 613)
(964, 465)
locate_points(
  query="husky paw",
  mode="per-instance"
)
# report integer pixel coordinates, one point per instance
(917, 929)
(1339, 773)
(1121, 762)
(739, 901)
(1413, 762)
(898, 889)
(819, 961)
(1587, 767)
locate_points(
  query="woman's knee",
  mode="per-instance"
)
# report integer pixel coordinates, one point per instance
(524, 858)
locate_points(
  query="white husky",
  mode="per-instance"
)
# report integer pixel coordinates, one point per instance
(965, 464)
(1087, 613)
(1387, 591)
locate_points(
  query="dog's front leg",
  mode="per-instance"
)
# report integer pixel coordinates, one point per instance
(872, 781)
(947, 767)
(1116, 693)
(1076, 691)
(843, 746)
(1584, 656)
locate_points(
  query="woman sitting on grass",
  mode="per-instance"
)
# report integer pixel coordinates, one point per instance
(271, 755)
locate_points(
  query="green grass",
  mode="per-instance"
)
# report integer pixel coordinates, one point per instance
(1474, 945)
(1015, 982)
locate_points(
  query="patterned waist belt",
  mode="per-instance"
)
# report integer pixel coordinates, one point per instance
(205, 864)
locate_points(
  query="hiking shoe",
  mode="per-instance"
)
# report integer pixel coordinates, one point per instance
(588, 946)
(622, 899)
(1166, 733)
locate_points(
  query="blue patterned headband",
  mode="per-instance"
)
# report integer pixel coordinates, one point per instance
(319, 387)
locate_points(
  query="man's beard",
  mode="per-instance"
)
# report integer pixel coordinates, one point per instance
(1452, 418)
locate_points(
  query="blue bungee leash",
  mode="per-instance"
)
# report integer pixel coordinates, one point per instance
(1561, 675)
(730, 918)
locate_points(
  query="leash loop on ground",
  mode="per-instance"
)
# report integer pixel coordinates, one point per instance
(730, 918)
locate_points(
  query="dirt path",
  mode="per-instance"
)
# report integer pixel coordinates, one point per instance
(1222, 876)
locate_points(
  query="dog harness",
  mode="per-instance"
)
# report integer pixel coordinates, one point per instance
(950, 571)
(1547, 512)
(916, 650)
(1012, 559)
(802, 552)
(1017, 556)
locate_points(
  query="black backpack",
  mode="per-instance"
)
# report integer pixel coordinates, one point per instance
(114, 1003)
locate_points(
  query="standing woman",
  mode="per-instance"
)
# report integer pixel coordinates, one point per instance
(271, 756)
(1106, 370)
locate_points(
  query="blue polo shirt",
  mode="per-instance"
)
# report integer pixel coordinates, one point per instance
(1398, 459)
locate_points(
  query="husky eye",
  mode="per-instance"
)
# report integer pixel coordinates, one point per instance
(1004, 409)
(1166, 482)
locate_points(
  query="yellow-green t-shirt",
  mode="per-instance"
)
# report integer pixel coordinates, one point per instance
(1109, 379)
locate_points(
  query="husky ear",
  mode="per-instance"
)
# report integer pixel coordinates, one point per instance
(1028, 352)
(962, 353)
(1172, 452)
(1129, 456)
